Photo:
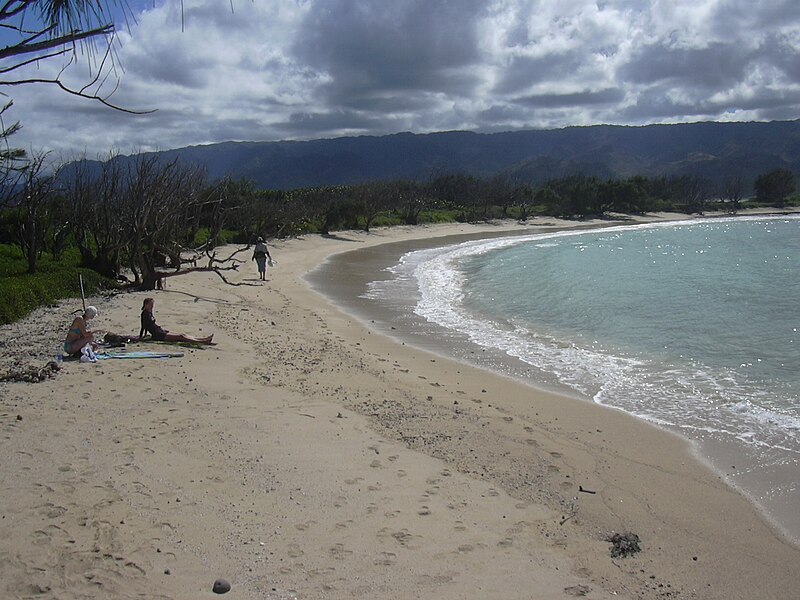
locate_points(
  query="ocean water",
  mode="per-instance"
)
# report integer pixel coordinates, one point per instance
(693, 326)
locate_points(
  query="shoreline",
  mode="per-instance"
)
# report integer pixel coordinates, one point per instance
(393, 318)
(306, 456)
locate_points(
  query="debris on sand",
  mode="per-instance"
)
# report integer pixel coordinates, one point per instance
(30, 373)
(624, 544)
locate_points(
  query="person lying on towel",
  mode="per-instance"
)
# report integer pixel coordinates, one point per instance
(160, 334)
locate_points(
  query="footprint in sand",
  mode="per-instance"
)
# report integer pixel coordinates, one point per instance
(353, 480)
(391, 514)
(305, 526)
(53, 511)
(386, 559)
(321, 572)
(403, 537)
(459, 526)
(375, 464)
(47, 535)
(401, 473)
(339, 552)
(294, 551)
(344, 524)
(424, 511)
(577, 590)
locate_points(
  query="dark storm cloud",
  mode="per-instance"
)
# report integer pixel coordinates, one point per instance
(180, 70)
(779, 52)
(312, 124)
(660, 103)
(586, 98)
(372, 48)
(718, 65)
(524, 71)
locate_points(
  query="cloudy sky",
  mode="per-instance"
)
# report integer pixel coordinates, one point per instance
(303, 69)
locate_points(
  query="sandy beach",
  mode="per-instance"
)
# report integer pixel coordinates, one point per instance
(305, 455)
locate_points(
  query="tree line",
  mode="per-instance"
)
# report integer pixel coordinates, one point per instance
(148, 217)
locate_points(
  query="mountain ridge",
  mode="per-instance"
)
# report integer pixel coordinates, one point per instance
(714, 151)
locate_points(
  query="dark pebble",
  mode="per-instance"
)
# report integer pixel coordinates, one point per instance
(221, 587)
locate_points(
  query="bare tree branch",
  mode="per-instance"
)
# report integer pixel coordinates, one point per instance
(49, 44)
(56, 28)
(80, 94)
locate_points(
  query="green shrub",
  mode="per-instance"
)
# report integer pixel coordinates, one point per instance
(386, 220)
(438, 216)
(21, 292)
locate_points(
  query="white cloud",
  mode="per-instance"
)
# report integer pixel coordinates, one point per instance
(303, 69)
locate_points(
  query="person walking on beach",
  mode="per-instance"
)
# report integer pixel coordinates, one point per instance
(260, 255)
(78, 336)
(160, 334)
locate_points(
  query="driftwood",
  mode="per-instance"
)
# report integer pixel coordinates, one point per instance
(215, 265)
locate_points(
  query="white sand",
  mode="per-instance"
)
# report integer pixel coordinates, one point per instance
(304, 456)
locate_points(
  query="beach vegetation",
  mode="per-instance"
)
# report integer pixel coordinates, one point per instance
(145, 220)
(21, 291)
(775, 187)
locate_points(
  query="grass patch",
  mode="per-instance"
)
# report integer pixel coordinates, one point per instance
(21, 292)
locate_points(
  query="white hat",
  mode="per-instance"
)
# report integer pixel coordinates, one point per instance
(90, 312)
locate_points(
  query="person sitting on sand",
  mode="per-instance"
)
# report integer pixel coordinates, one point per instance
(78, 336)
(160, 334)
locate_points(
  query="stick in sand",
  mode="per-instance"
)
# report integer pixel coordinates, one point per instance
(83, 297)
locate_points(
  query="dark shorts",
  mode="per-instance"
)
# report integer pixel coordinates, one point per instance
(160, 336)
(262, 263)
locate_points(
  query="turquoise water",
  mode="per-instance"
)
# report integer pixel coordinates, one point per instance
(692, 326)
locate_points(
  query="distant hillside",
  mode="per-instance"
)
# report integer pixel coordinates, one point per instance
(714, 151)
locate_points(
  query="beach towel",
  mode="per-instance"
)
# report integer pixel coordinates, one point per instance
(139, 354)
